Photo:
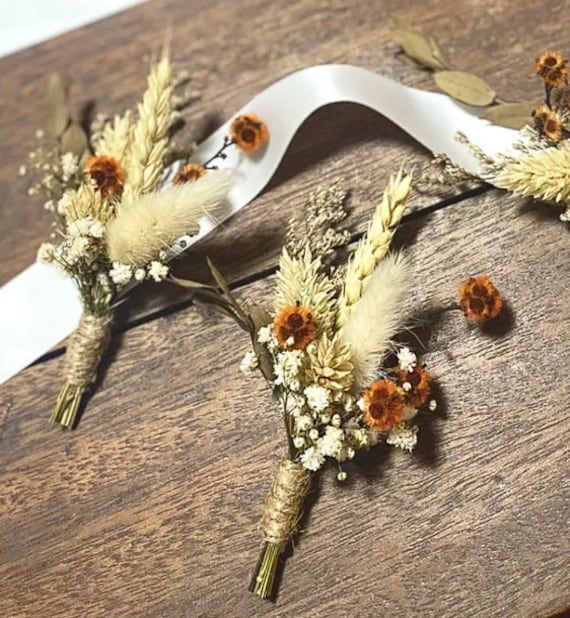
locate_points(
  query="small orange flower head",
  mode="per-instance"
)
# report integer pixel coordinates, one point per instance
(553, 69)
(479, 299)
(547, 123)
(189, 173)
(419, 380)
(249, 133)
(108, 175)
(383, 405)
(294, 327)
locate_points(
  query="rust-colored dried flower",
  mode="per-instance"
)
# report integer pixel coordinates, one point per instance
(107, 173)
(248, 133)
(548, 123)
(553, 69)
(189, 173)
(479, 299)
(294, 327)
(383, 405)
(419, 380)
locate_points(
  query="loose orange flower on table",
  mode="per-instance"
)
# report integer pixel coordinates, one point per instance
(107, 173)
(295, 327)
(383, 405)
(479, 299)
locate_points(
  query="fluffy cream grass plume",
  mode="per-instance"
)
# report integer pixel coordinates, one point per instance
(542, 174)
(300, 280)
(150, 224)
(375, 244)
(375, 319)
(149, 140)
(115, 137)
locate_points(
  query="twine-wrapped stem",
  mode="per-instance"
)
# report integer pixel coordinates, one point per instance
(281, 515)
(84, 350)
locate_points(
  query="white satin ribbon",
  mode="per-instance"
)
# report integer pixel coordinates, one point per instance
(39, 307)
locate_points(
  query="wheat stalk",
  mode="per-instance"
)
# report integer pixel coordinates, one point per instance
(149, 140)
(375, 243)
(115, 137)
(543, 174)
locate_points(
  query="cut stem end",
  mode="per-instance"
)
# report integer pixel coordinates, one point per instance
(67, 405)
(265, 577)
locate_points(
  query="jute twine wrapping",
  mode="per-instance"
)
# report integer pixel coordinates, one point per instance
(285, 502)
(85, 348)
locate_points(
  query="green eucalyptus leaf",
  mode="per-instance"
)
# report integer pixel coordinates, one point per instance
(415, 45)
(74, 140)
(465, 87)
(57, 104)
(511, 115)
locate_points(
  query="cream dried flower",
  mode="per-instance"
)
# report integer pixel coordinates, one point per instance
(330, 365)
(115, 137)
(376, 317)
(542, 174)
(299, 280)
(149, 141)
(145, 227)
(375, 244)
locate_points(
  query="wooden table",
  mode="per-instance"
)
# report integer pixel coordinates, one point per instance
(151, 507)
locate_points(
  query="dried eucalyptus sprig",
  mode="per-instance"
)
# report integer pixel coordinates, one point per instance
(320, 349)
(113, 226)
(424, 52)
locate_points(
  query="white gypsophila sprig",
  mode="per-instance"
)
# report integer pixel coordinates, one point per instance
(318, 398)
(288, 369)
(249, 362)
(407, 360)
(404, 436)
(121, 274)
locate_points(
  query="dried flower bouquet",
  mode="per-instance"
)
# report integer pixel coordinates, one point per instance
(321, 348)
(540, 166)
(115, 221)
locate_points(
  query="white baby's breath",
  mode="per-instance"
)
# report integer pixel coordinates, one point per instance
(312, 459)
(317, 397)
(158, 271)
(406, 359)
(403, 436)
(121, 274)
(249, 362)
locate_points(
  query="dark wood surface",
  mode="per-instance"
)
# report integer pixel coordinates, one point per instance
(151, 507)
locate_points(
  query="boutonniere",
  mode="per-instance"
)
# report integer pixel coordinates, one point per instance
(538, 165)
(322, 348)
(117, 215)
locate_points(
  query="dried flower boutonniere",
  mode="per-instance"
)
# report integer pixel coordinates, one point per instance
(539, 164)
(321, 349)
(115, 223)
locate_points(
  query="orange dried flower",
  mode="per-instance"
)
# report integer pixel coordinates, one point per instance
(107, 173)
(547, 123)
(420, 387)
(479, 299)
(553, 69)
(189, 173)
(249, 133)
(383, 405)
(294, 327)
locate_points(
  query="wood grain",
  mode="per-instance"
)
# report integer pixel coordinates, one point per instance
(151, 508)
